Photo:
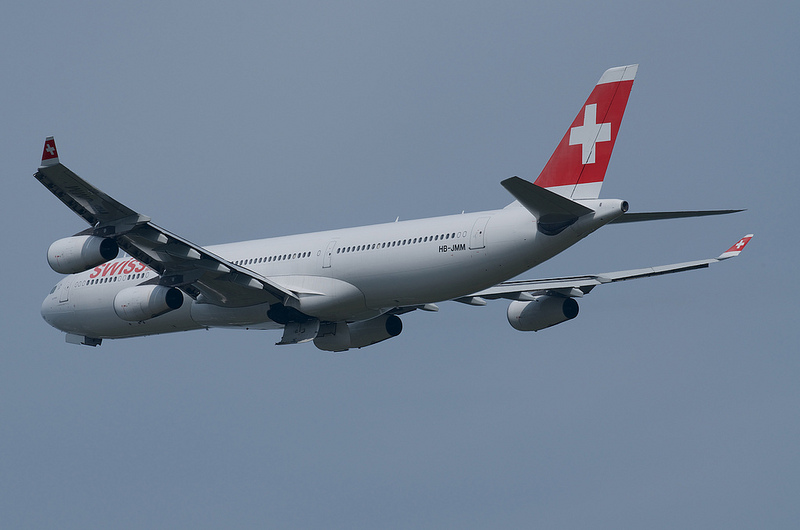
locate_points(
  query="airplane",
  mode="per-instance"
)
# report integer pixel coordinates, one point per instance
(347, 288)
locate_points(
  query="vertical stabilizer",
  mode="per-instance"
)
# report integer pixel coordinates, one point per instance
(578, 165)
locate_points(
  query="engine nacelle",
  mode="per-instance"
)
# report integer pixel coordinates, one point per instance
(80, 253)
(146, 301)
(542, 312)
(342, 336)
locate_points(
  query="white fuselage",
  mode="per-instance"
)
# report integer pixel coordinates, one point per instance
(341, 275)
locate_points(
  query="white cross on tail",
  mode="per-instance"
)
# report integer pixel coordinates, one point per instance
(589, 133)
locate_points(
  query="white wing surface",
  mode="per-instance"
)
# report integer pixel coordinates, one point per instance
(576, 286)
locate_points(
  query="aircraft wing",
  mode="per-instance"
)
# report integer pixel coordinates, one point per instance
(576, 286)
(181, 263)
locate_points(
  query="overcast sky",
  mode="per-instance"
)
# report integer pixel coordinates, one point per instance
(668, 403)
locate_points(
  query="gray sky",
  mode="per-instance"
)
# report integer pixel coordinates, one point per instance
(670, 402)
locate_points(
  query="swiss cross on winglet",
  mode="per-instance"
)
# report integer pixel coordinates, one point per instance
(737, 248)
(49, 155)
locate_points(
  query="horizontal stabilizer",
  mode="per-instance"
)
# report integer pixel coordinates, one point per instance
(541, 202)
(553, 212)
(656, 216)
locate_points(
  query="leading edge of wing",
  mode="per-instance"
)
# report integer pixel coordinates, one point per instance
(567, 286)
(180, 262)
(194, 269)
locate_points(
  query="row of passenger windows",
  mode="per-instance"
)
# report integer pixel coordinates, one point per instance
(357, 248)
(299, 255)
(107, 279)
(269, 259)
(296, 255)
(401, 242)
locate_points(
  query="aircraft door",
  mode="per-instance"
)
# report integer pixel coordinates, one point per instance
(63, 292)
(476, 239)
(326, 259)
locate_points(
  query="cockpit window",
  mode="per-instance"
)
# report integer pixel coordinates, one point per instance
(54, 289)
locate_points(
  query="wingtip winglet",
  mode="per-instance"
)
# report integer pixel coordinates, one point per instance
(49, 154)
(736, 248)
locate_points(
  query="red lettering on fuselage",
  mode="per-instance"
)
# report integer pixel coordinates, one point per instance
(112, 268)
(119, 268)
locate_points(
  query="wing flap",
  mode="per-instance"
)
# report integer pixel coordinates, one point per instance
(510, 290)
(94, 206)
(182, 262)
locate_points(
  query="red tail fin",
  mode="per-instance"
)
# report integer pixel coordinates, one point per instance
(578, 165)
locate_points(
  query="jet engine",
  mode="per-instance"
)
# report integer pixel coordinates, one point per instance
(80, 253)
(342, 336)
(542, 312)
(146, 301)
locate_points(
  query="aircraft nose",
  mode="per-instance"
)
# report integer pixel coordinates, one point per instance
(48, 310)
